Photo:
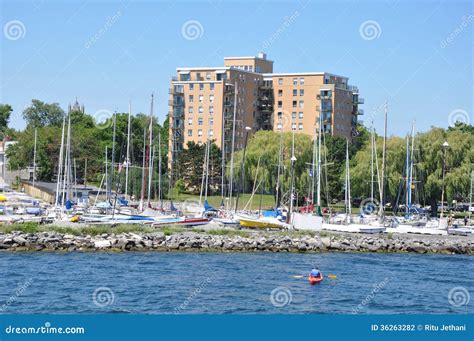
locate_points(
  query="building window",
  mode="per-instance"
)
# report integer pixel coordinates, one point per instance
(211, 132)
(280, 93)
(294, 104)
(211, 121)
(201, 98)
(211, 86)
(301, 92)
(300, 126)
(295, 81)
(200, 121)
(300, 114)
(191, 86)
(280, 104)
(191, 99)
(301, 104)
(190, 132)
(280, 81)
(279, 126)
(211, 98)
(211, 109)
(208, 76)
(190, 121)
(201, 86)
(199, 132)
(201, 110)
(301, 81)
(293, 114)
(293, 126)
(190, 110)
(295, 92)
(280, 114)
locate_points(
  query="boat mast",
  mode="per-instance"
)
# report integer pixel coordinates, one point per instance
(142, 193)
(150, 150)
(348, 186)
(112, 170)
(233, 145)
(127, 157)
(60, 164)
(207, 167)
(34, 157)
(223, 158)
(318, 198)
(407, 179)
(160, 198)
(372, 151)
(384, 150)
(412, 160)
(278, 172)
(106, 175)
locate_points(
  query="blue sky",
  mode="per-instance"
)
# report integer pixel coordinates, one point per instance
(417, 55)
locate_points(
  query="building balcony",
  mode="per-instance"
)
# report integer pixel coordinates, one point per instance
(324, 97)
(353, 88)
(358, 100)
(360, 111)
(228, 104)
(175, 104)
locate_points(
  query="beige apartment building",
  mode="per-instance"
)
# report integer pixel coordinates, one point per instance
(203, 102)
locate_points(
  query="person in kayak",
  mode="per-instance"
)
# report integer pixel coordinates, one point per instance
(315, 272)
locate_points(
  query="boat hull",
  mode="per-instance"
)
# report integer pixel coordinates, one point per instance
(315, 280)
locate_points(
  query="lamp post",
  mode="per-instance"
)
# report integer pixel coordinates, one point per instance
(445, 147)
(292, 189)
(247, 130)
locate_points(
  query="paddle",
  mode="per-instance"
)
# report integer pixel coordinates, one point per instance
(299, 276)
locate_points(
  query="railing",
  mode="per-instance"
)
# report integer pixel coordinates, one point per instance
(175, 104)
(360, 111)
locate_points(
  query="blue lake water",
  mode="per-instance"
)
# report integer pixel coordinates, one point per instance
(242, 283)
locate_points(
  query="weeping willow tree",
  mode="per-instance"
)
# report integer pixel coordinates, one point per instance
(429, 156)
(262, 160)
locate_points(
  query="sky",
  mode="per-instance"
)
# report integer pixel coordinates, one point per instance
(416, 55)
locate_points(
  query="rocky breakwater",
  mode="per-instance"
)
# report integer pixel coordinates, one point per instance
(258, 241)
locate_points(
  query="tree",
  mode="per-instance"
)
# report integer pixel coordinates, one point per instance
(5, 112)
(40, 114)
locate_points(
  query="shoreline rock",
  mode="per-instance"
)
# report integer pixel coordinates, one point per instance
(254, 242)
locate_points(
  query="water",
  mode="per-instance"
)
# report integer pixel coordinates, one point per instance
(223, 283)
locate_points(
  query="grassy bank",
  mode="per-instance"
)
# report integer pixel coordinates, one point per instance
(126, 228)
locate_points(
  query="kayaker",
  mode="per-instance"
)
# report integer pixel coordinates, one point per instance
(315, 272)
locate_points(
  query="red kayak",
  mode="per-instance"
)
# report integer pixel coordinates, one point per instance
(314, 280)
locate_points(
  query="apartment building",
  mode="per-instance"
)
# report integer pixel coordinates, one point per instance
(204, 100)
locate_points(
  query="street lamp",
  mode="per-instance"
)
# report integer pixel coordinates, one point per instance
(247, 130)
(445, 147)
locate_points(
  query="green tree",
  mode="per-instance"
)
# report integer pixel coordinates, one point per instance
(40, 114)
(5, 112)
